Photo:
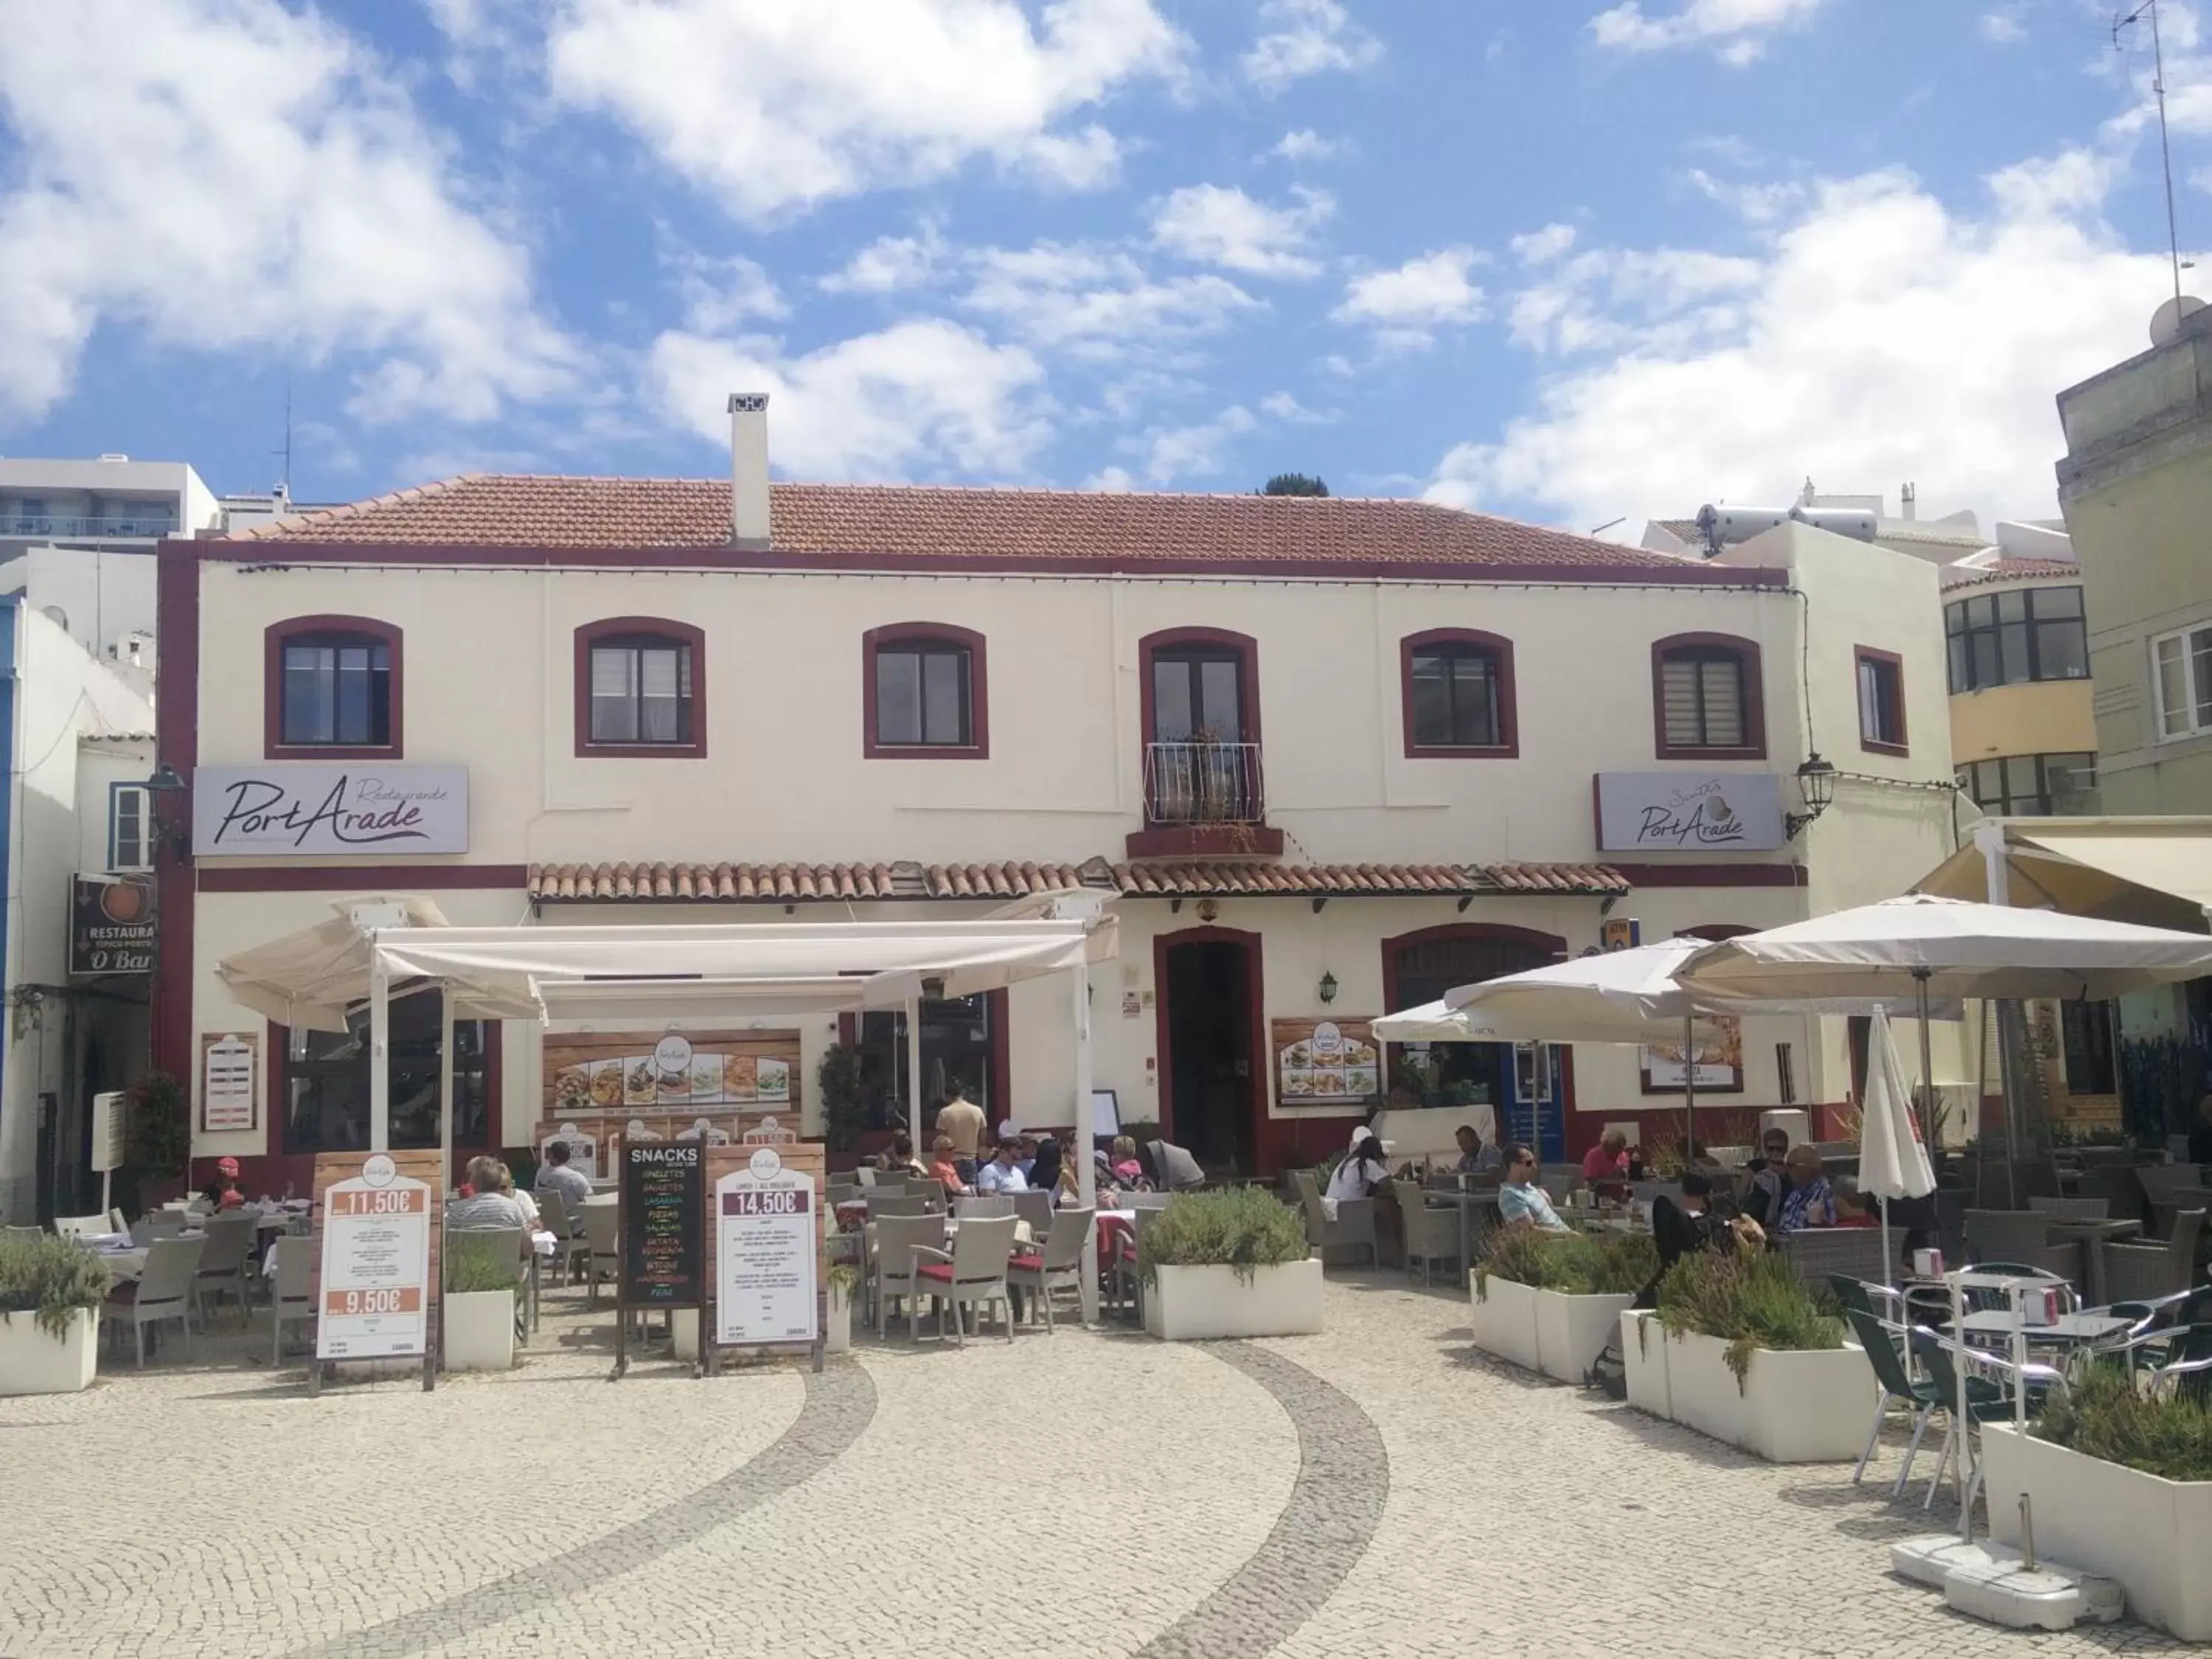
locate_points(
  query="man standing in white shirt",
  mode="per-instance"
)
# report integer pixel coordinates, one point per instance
(1002, 1174)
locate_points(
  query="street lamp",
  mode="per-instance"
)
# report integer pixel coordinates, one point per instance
(1816, 785)
(1327, 985)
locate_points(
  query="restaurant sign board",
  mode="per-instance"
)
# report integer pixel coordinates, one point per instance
(373, 1295)
(768, 1238)
(1690, 812)
(663, 1218)
(326, 810)
(111, 926)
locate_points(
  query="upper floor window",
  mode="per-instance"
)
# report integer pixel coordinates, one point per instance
(2011, 638)
(333, 688)
(1881, 701)
(1458, 694)
(925, 694)
(1199, 713)
(2032, 786)
(640, 688)
(1707, 695)
(1198, 695)
(2181, 675)
(130, 828)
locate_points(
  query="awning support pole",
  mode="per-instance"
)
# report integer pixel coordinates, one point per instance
(913, 1016)
(1086, 1138)
(379, 1051)
(446, 1086)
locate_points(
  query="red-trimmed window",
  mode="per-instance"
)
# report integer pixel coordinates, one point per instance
(640, 688)
(1881, 701)
(1458, 695)
(1707, 698)
(924, 693)
(330, 689)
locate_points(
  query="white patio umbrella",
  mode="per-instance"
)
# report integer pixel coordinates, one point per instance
(1939, 950)
(1893, 1163)
(1433, 1022)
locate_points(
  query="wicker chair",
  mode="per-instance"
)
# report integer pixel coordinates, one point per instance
(893, 1280)
(1431, 1235)
(2022, 1236)
(226, 1264)
(602, 1221)
(1352, 1230)
(2165, 1211)
(1815, 1252)
(2072, 1209)
(166, 1290)
(972, 1273)
(2143, 1273)
(1056, 1265)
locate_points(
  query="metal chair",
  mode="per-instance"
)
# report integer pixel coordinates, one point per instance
(603, 1260)
(1986, 1402)
(166, 1289)
(1431, 1235)
(972, 1272)
(1884, 1346)
(1354, 1229)
(1057, 1265)
(293, 1301)
(2072, 1209)
(897, 1238)
(227, 1261)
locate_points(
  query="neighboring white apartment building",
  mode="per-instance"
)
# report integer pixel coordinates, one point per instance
(1333, 757)
(75, 737)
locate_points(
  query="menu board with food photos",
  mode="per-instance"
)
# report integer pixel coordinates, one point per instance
(1327, 1063)
(617, 1074)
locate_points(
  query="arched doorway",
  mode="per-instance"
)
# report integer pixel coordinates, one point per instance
(1211, 1046)
(1524, 1085)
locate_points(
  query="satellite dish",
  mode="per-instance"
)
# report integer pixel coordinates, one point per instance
(2166, 322)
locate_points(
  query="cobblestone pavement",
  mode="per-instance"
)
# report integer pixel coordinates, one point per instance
(1379, 1491)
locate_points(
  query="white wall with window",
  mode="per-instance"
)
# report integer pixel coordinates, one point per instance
(2181, 683)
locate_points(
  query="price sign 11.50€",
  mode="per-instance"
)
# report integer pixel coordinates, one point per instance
(376, 1264)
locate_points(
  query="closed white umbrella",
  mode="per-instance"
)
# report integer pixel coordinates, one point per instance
(1893, 1163)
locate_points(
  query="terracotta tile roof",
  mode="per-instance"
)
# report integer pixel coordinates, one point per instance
(918, 521)
(791, 883)
(2006, 570)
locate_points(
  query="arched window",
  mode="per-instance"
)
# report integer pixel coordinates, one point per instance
(924, 693)
(640, 688)
(1458, 695)
(332, 689)
(1707, 698)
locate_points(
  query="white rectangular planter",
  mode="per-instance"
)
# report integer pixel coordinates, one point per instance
(1193, 1304)
(2154, 1536)
(1643, 1351)
(1571, 1331)
(837, 1332)
(479, 1331)
(32, 1362)
(1799, 1407)
(1503, 1317)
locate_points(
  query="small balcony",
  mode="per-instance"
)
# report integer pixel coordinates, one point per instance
(135, 526)
(1204, 800)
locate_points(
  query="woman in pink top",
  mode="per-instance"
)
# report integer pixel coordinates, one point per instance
(1608, 1159)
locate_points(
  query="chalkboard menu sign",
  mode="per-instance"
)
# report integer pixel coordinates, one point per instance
(663, 1220)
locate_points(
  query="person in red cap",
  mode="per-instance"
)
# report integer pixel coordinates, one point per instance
(223, 1193)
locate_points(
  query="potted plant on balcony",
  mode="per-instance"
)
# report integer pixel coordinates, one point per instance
(51, 1292)
(478, 1304)
(1550, 1301)
(1754, 1358)
(2119, 1483)
(1230, 1263)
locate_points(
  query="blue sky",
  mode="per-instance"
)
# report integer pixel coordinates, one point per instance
(1571, 260)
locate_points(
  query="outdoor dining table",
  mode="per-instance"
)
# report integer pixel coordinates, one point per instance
(2094, 1235)
(1994, 1329)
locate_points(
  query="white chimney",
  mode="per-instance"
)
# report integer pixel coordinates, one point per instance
(749, 508)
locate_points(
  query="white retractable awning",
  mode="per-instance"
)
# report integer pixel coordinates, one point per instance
(310, 979)
(2153, 871)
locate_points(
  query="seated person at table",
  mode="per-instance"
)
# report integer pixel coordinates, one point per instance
(1608, 1159)
(1855, 1208)
(529, 1204)
(943, 1169)
(1763, 1200)
(1521, 1199)
(223, 1193)
(1808, 1200)
(1361, 1172)
(899, 1159)
(1127, 1171)
(488, 1204)
(1048, 1174)
(1476, 1155)
(554, 1176)
(1003, 1174)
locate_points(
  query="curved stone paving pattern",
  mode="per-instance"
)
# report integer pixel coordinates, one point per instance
(1343, 1484)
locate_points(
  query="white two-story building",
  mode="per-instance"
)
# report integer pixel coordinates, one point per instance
(1331, 756)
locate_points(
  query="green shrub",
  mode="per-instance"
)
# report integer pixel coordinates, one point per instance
(2103, 1416)
(1749, 1299)
(476, 1264)
(1522, 1253)
(50, 1278)
(1239, 1227)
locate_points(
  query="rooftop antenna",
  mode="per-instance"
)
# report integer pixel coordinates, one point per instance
(2150, 8)
(284, 484)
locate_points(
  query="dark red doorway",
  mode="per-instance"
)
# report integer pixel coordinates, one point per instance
(1212, 1083)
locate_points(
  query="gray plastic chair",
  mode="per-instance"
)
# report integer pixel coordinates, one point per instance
(226, 1262)
(156, 1224)
(293, 1302)
(1036, 1208)
(1354, 1229)
(1058, 1265)
(166, 1289)
(570, 1245)
(972, 1272)
(1431, 1235)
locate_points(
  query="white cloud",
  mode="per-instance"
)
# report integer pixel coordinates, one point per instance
(228, 173)
(1757, 204)
(1216, 225)
(2003, 28)
(1097, 302)
(1881, 336)
(1189, 452)
(1735, 28)
(1109, 481)
(1285, 407)
(889, 265)
(777, 105)
(1539, 247)
(1405, 304)
(720, 293)
(1308, 37)
(1305, 145)
(917, 399)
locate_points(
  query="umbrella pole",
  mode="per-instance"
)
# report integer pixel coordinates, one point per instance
(446, 1086)
(1689, 1087)
(1927, 1068)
